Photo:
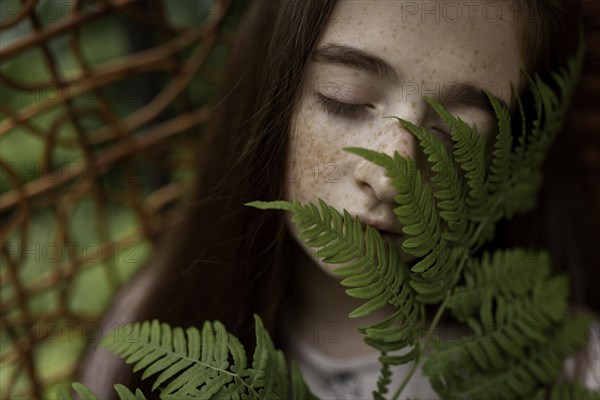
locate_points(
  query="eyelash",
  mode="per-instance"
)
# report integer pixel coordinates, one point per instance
(339, 109)
(352, 111)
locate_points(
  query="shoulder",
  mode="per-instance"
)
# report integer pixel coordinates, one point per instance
(99, 368)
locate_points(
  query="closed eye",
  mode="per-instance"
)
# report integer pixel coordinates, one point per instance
(339, 109)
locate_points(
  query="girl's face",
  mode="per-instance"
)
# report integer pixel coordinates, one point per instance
(381, 58)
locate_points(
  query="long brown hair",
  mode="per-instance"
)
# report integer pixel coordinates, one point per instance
(227, 261)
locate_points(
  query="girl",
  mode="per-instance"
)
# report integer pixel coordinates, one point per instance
(306, 79)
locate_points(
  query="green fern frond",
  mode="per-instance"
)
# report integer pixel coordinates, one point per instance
(499, 168)
(520, 335)
(503, 335)
(383, 381)
(372, 267)
(62, 392)
(523, 377)
(415, 198)
(419, 216)
(495, 276)
(513, 316)
(299, 387)
(202, 364)
(126, 394)
(469, 153)
(528, 158)
(372, 270)
(564, 391)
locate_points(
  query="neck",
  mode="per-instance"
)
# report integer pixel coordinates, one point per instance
(320, 314)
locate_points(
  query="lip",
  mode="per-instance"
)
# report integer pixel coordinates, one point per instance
(393, 237)
(383, 228)
(391, 234)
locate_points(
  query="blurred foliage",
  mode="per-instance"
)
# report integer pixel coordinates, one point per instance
(104, 41)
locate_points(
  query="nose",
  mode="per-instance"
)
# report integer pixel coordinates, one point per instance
(393, 138)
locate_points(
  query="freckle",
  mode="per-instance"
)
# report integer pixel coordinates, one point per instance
(476, 52)
(405, 142)
(385, 49)
(359, 22)
(413, 104)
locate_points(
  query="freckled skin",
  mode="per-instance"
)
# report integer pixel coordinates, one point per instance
(427, 56)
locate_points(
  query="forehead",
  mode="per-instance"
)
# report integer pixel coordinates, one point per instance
(435, 42)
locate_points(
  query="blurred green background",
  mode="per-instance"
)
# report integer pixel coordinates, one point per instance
(86, 291)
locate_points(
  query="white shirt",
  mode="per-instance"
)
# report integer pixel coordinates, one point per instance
(355, 378)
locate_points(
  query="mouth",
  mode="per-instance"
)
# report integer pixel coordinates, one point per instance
(396, 239)
(393, 237)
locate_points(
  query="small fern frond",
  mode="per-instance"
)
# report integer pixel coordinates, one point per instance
(383, 381)
(202, 364)
(499, 168)
(494, 276)
(416, 210)
(469, 153)
(566, 391)
(527, 160)
(519, 340)
(420, 217)
(503, 335)
(126, 394)
(62, 392)
(372, 268)
(523, 377)
(449, 190)
(268, 366)
(275, 205)
(300, 389)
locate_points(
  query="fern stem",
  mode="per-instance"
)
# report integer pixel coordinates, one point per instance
(411, 372)
(432, 326)
(442, 308)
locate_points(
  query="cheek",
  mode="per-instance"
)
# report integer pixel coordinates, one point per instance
(312, 168)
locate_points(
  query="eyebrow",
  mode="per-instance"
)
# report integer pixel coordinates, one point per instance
(356, 58)
(458, 93)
